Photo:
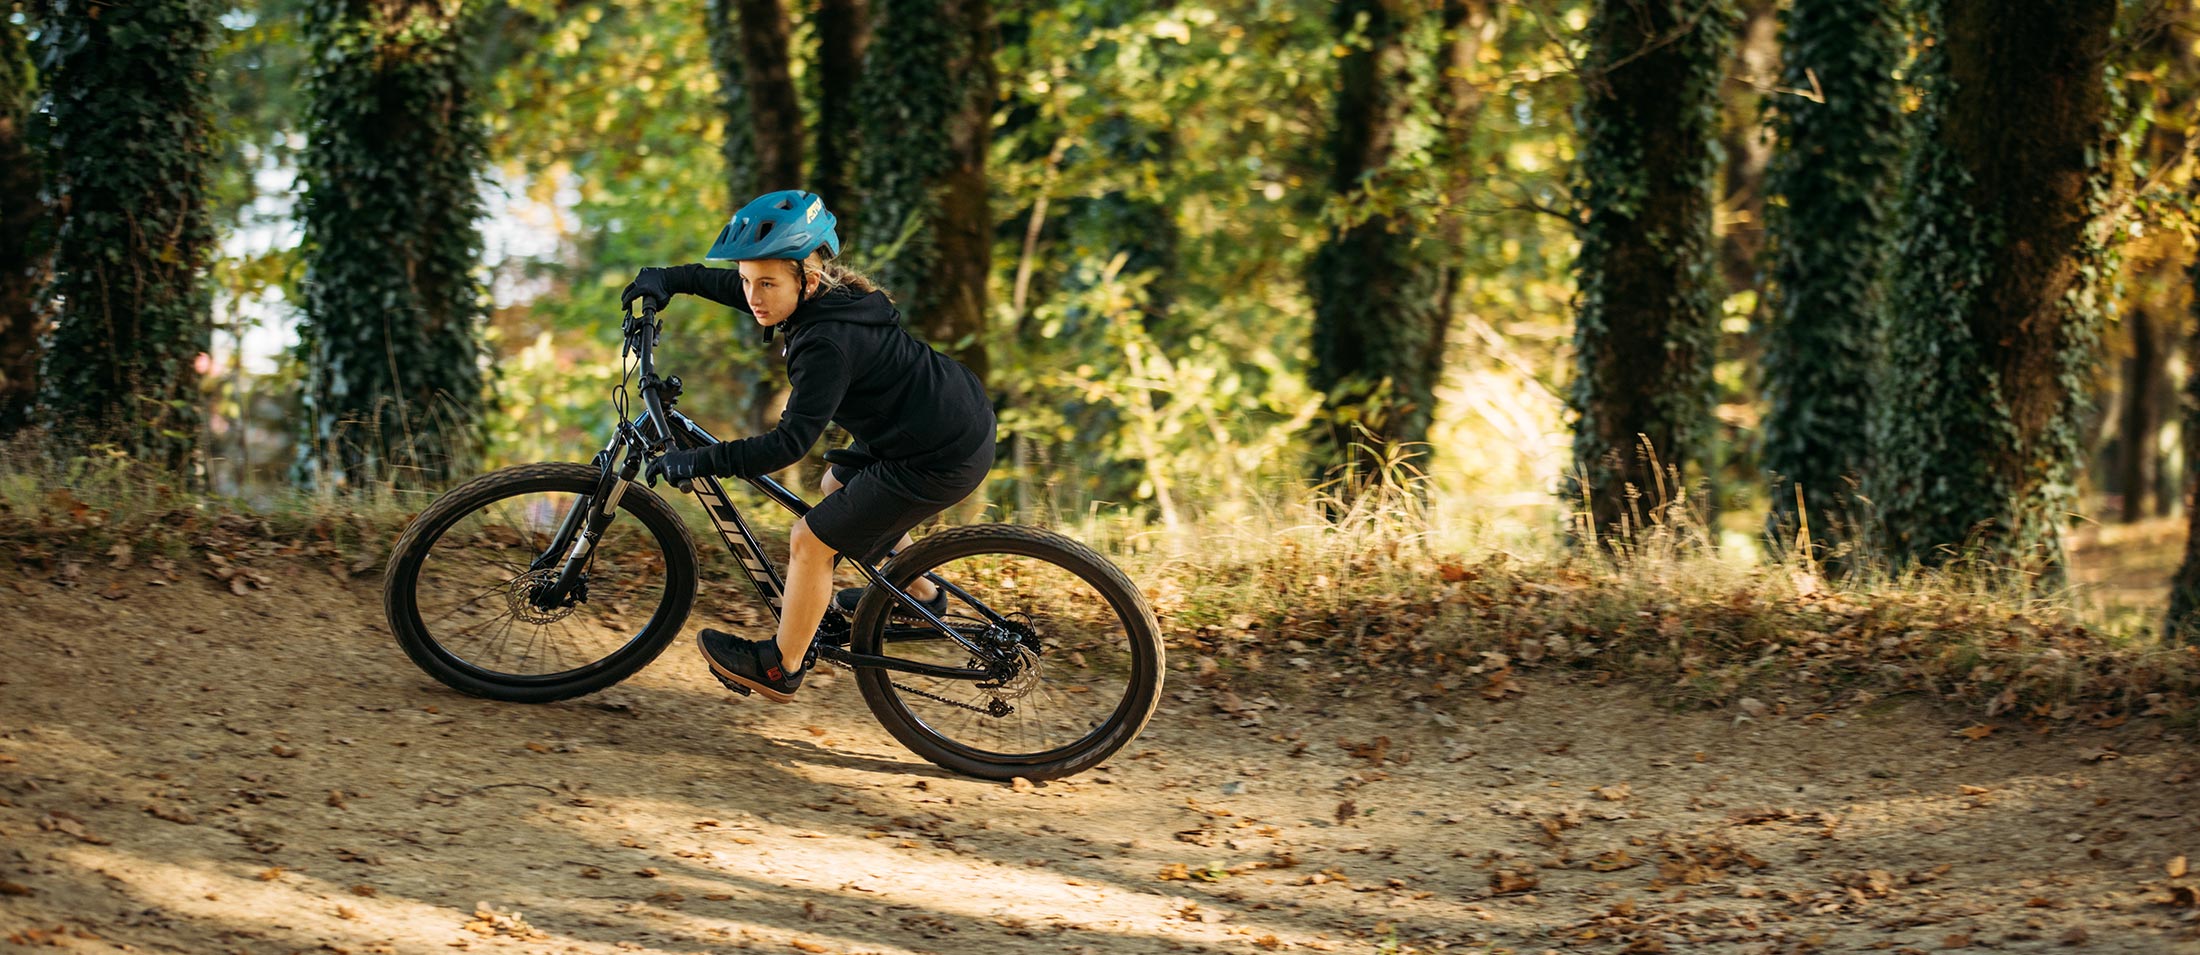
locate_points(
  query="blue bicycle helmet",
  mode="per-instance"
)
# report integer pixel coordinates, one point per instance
(789, 224)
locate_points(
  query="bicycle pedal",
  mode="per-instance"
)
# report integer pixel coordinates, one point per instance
(731, 685)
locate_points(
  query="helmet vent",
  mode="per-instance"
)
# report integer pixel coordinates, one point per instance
(764, 230)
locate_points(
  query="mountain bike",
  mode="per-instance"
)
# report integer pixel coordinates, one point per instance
(544, 582)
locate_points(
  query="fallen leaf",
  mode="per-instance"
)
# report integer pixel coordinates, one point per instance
(812, 947)
(1976, 732)
(1175, 872)
(69, 826)
(2176, 868)
(1505, 881)
(172, 814)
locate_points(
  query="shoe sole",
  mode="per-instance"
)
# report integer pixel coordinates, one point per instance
(725, 674)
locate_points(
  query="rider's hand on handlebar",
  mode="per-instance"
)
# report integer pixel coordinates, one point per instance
(678, 466)
(648, 286)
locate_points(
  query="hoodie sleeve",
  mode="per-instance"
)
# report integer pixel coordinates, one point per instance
(818, 375)
(719, 285)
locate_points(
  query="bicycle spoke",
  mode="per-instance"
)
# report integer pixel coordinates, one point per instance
(484, 556)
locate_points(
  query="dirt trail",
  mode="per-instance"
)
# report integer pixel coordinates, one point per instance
(187, 770)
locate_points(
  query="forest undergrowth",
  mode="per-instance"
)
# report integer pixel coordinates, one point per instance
(1393, 585)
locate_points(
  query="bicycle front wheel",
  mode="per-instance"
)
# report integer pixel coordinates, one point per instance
(1088, 656)
(458, 587)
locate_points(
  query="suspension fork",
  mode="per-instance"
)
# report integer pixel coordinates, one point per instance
(585, 522)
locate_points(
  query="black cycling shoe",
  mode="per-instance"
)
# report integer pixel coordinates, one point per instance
(753, 664)
(845, 602)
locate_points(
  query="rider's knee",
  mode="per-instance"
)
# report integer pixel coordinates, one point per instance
(803, 544)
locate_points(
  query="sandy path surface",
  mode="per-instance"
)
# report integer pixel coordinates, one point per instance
(187, 770)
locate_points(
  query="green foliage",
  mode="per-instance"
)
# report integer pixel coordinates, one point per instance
(1834, 182)
(392, 300)
(1647, 313)
(126, 98)
(1375, 295)
(607, 125)
(1998, 295)
(1156, 355)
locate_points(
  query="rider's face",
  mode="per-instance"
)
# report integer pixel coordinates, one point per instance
(770, 286)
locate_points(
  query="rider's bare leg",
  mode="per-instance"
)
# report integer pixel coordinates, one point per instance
(809, 586)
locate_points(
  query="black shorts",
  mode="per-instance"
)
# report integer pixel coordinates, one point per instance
(880, 501)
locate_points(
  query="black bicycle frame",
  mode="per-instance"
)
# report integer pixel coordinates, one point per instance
(661, 427)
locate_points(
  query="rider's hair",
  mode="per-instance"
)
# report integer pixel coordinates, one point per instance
(833, 275)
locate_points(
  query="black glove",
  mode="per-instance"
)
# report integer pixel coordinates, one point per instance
(678, 466)
(649, 286)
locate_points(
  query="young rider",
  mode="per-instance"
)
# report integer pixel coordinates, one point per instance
(921, 419)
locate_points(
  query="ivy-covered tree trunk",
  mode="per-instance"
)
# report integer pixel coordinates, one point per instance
(842, 33)
(393, 305)
(22, 237)
(1375, 299)
(1648, 305)
(1998, 304)
(763, 148)
(1836, 177)
(126, 94)
(927, 111)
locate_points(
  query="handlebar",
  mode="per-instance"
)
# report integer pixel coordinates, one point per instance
(641, 336)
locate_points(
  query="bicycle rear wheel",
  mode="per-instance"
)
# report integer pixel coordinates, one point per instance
(457, 588)
(1089, 656)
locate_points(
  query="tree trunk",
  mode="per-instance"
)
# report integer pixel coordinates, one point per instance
(927, 107)
(2139, 415)
(842, 34)
(1748, 147)
(393, 309)
(748, 40)
(1647, 306)
(22, 246)
(2183, 625)
(134, 234)
(1836, 175)
(1459, 44)
(1999, 306)
(1375, 301)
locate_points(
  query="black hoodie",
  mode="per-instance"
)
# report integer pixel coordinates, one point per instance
(850, 361)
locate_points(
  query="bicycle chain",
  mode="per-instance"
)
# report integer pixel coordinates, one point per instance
(930, 696)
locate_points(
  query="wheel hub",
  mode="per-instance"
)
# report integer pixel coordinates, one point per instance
(1023, 677)
(520, 597)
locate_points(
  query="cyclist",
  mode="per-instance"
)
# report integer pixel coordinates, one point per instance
(921, 420)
